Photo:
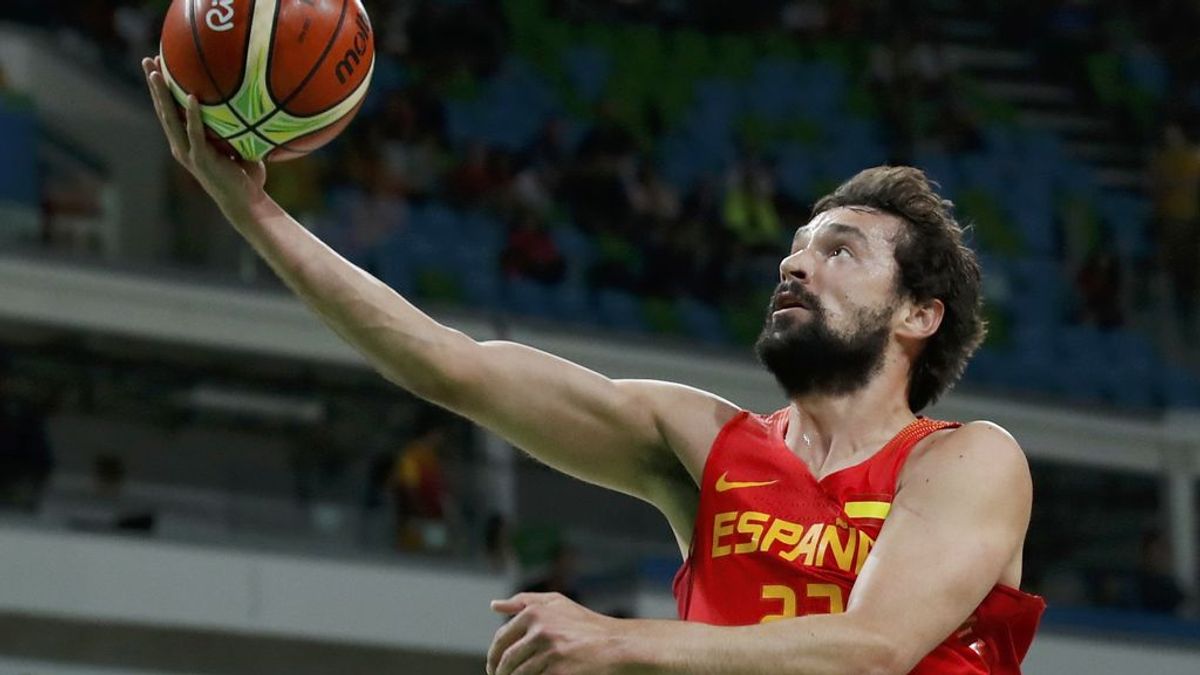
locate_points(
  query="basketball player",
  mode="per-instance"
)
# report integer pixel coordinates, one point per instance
(840, 534)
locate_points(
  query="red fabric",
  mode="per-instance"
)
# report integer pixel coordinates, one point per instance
(790, 548)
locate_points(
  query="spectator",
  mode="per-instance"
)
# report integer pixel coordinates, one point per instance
(26, 460)
(560, 577)
(1099, 286)
(749, 207)
(109, 509)
(1175, 182)
(533, 189)
(372, 213)
(1156, 588)
(550, 149)
(409, 152)
(473, 178)
(531, 253)
(498, 545)
(418, 487)
(296, 186)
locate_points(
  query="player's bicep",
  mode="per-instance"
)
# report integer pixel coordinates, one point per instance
(601, 430)
(955, 525)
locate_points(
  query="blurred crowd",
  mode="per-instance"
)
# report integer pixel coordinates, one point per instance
(711, 239)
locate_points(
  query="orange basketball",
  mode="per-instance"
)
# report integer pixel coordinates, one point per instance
(276, 79)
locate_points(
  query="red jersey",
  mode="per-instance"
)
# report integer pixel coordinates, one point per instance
(773, 542)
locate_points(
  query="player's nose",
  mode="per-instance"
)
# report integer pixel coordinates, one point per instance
(797, 265)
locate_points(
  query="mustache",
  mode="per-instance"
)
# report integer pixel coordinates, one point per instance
(793, 291)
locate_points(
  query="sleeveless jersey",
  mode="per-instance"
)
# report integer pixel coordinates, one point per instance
(772, 542)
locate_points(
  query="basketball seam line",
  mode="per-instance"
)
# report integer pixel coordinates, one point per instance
(191, 16)
(300, 87)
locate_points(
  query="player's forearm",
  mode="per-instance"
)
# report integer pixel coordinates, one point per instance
(813, 645)
(401, 342)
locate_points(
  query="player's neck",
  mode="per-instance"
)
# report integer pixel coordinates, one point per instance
(830, 432)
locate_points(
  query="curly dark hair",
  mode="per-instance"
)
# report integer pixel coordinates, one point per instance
(933, 263)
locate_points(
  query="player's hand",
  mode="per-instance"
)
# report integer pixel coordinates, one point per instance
(549, 633)
(233, 184)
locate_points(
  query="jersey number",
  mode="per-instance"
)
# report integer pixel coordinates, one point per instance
(787, 596)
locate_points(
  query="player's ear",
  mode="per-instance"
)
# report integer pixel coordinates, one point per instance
(921, 319)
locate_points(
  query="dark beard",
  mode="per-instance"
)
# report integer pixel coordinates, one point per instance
(808, 358)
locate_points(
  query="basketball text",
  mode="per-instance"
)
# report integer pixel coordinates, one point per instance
(345, 67)
(220, 17)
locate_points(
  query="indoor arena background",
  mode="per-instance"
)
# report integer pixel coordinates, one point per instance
(197, 477)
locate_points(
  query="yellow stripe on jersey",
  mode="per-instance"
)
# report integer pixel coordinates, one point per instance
(878, 510)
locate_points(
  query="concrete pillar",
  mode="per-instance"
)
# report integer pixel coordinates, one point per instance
(1181, 463)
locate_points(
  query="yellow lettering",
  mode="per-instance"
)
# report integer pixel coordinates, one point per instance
(831, 591)
(722, 527)
(786, 595)
(865, 542)
(842, 554)
(750, 523)
(783, 531)
(807, 545)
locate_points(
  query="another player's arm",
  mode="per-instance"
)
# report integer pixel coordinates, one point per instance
(605, 431)
(958, 519)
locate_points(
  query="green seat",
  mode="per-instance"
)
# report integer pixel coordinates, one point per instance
(661, 316)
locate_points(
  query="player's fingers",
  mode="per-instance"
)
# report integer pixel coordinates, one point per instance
(164, 103)
(534, 666)
(195, 128)
(520, 601)
(514, 629)
(509, 606)
(523, 657)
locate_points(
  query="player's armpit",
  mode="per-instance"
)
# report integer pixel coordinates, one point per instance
(628, 435)
(957, 521)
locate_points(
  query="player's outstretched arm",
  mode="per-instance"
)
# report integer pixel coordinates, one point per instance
(604, 431)
(958, 519)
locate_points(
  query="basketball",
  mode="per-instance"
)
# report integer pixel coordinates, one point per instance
(276, 79)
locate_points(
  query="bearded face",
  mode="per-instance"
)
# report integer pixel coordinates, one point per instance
(808, 356)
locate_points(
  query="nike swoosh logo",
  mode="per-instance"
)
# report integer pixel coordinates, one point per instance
(723, 483)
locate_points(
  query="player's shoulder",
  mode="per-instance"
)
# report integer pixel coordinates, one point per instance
(980, 448)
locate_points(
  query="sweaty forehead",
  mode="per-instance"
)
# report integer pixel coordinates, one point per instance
(876, 226)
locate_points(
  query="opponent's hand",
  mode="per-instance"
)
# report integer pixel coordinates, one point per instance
(232, 184)
(550, 634)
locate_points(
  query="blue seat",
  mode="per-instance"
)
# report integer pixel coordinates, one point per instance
(396, 269)
(19, 170)
(588, 70)
(462, 123)
(796, 171)
(940, 167)
(572, 303)
(1181, 389)
(620, 310)
(701, 321)
(528, 298)
(986, 368)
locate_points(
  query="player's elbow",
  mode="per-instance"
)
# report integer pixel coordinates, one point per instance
(881, 656)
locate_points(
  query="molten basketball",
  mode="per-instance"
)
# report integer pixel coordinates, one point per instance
(276, 79)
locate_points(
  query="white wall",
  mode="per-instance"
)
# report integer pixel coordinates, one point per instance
(1054, 654)
(36, 667)
(106, 578)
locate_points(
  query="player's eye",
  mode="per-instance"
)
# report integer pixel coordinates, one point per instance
(839, 251)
